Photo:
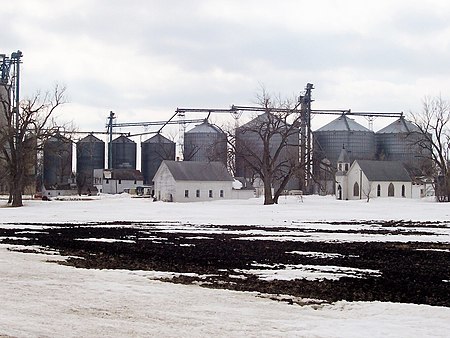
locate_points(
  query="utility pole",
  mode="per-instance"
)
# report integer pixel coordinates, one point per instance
(110, 130)
(16, 59)
(305, 137)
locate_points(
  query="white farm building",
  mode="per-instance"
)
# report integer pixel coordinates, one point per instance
(189, 181)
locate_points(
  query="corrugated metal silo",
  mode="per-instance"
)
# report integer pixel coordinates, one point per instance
(90, 156)
(402, 141)
(205, 143)
(153, 152)
(57, 162)
(249, 148)
(343, 131)
(123, 153)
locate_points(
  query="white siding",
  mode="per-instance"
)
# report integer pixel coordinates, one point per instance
(165, 185)
(204, 187)
(355, 175)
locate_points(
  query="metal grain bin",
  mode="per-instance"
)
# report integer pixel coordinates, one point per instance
(205, 143)
(90, 156)
(343, 131)
(403, 141)
(249, 148)
(153, 152)
(123, 153)
(57, 162)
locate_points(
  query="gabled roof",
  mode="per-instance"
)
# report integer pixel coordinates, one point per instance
(392, 171)
(400, 126)
(197, 171)
(343, 123)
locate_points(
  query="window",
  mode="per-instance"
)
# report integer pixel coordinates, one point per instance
(197, 193)
(339, 192)
(346, 166)
(221, 193)
(120, 181)
(210, 194)
(403, 191)
(135, 182)
(356, 189)
(107, 181)
(186, 193)
(391, 190)
(378, 190)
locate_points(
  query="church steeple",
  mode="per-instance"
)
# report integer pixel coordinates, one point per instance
(343, 162)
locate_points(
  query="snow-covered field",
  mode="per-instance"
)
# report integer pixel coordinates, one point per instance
(43, 299)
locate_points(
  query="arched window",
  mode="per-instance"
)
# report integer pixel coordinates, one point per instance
(356, 189)
(403, 191)
(339, 189)
(378, 190)
(391, 190)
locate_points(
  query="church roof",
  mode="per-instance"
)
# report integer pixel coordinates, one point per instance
(343, 156)
(198, 171)
(392, 171)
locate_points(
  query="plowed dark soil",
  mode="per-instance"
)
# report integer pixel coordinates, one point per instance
(413, 272)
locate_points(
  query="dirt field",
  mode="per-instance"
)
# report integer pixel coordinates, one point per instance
(412, 272)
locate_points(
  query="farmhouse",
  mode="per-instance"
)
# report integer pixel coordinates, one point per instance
(368, 179)
(116, 181)
(188, 181)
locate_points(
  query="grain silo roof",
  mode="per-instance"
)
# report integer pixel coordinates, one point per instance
(399, 126)
(90, 138)
(343, 123)
(198, 171)
(158, 138)
(204, 127)
(122, 139)
(392, 171)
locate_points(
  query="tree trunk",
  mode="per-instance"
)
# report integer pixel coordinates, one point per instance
(17, 197)
(268, 199)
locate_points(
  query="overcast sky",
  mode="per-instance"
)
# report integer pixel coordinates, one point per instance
(143, 59)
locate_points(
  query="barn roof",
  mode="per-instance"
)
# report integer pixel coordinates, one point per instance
(384, 171)
(198, 171)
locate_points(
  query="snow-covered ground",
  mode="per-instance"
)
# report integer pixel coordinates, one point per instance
(43, 299)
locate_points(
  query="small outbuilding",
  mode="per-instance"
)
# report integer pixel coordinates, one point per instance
(189, 181)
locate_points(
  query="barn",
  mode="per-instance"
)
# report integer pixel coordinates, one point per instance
(189, 181)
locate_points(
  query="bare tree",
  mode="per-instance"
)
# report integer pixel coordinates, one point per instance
(268, 146)
(22, 135)
(434, 125)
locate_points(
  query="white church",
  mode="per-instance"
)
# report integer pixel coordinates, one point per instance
(364, 179)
